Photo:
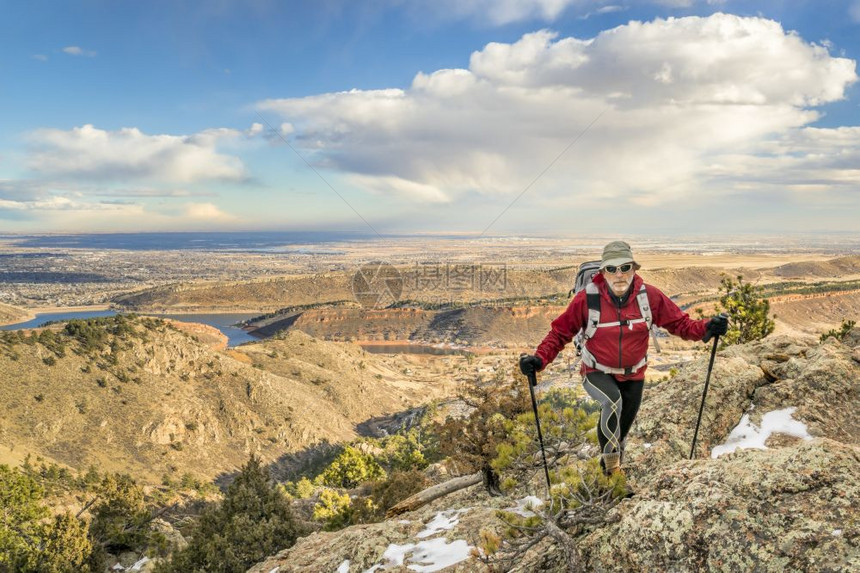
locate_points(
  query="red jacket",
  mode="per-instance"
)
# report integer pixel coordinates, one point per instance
(618, 346)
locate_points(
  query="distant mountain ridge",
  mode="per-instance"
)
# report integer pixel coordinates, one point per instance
(838, 267)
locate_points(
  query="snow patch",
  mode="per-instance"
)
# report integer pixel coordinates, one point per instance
(424, 556)
(428, 555)
(276, 569)
(436, 554)
(525, 505)
(343, 567)
(442, 521)
(138, 566)
(836, 532)
(747, 435)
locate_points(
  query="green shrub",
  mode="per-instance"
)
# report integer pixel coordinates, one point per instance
(29, 543)
(302, 489)
(334, 509)
(120, 517)
(253, 522)
(352, 468)
(20, 497)
(65, 548)
(471, 442)
(840, 334)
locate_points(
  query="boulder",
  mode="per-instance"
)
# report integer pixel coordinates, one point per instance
(792, 509)
(821, 381)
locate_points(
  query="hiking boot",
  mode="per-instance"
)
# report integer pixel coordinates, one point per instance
(609, 463)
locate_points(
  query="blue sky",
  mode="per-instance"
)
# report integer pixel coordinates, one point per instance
(503, 117)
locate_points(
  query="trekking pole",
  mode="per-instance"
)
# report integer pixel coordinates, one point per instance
(532, 384)
(704, 394)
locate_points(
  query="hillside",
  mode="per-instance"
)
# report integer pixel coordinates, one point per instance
(790, 504)
(145, 398)
(475, 326)
(808, 297)
(336, 287)
(837, 267)
(11, 315)
(260, 295)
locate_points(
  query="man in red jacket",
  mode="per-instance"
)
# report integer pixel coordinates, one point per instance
(615, 312)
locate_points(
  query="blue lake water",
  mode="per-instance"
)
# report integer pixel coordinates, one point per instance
(223, 322)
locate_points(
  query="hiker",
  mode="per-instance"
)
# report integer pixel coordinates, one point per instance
(615, 311)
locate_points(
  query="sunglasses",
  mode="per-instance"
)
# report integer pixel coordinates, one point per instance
(625, 268)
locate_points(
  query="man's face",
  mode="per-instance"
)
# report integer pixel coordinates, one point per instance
(619, 280)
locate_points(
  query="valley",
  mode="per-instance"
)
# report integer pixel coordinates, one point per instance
(193, 404)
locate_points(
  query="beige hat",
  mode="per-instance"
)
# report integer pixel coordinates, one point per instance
(617, 253)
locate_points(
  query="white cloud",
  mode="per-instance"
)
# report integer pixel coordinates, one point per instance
(678, 98)
(128, 153)
(40, 57)
(55, 203)
(69, 213)
(151, 192)
(78, 51)
(207, 212)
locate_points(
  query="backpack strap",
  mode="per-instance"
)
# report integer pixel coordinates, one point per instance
(592, 299)
(645, 306)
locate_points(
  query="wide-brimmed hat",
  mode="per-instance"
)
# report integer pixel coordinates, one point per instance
(617, 253)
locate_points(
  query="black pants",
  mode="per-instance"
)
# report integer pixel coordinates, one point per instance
(619, 403)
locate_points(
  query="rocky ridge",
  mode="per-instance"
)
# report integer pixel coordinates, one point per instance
(790, 507)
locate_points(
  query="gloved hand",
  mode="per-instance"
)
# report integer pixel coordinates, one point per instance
(717, 326)
(530, 364)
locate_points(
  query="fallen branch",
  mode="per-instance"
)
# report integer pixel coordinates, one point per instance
(440, 490)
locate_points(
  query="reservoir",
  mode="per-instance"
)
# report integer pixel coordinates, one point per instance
(224, 322)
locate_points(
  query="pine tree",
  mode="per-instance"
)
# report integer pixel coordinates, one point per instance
(66, 547)
(29, 543)
(747, 309)
(120, 518)
(253, 522)
(20, 512)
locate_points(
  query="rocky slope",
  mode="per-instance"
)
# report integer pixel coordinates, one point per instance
(163, 402)
(790, 507)
(11, 314)
(474, 326)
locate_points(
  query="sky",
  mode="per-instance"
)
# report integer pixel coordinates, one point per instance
(505, 117)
